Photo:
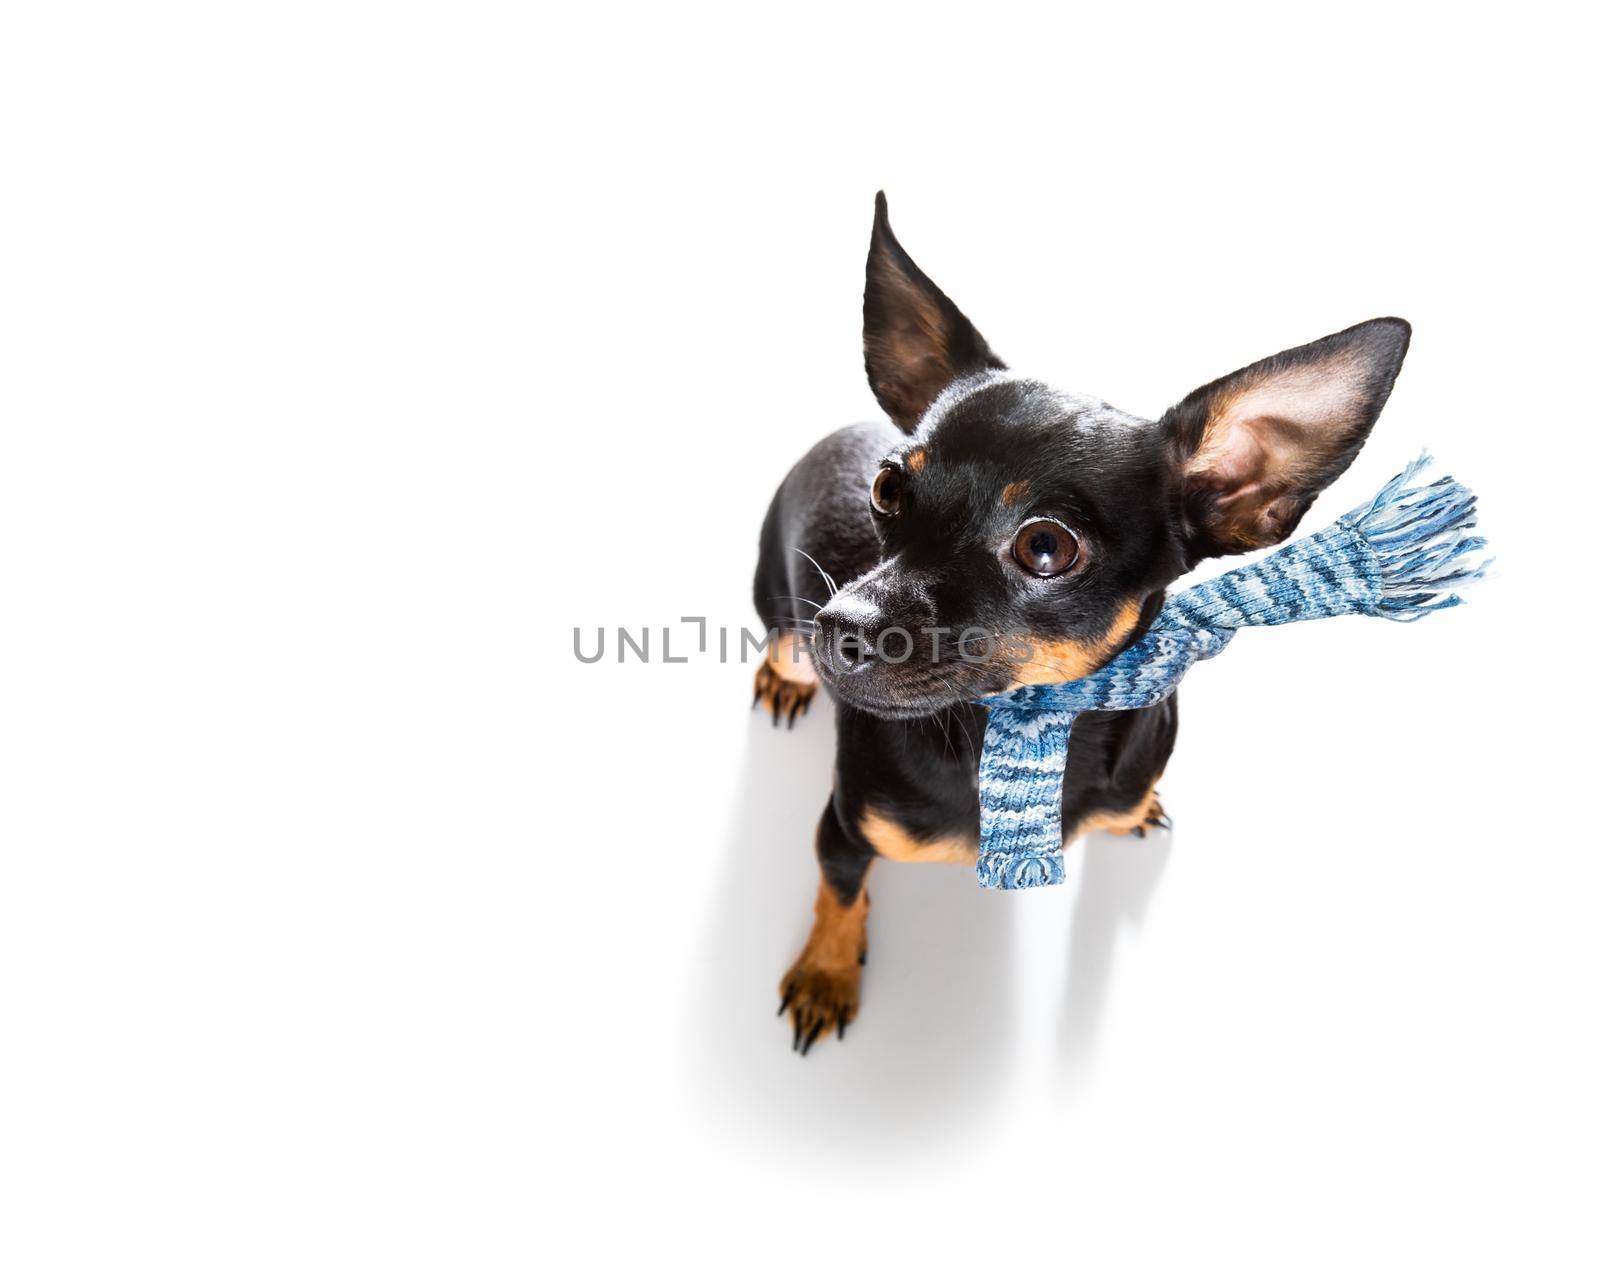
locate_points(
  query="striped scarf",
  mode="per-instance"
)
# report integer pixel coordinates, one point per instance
(1398, 557)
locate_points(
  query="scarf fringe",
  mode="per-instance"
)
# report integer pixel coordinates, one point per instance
(1420, 540)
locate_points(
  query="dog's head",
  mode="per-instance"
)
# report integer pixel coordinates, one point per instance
(1028, 534)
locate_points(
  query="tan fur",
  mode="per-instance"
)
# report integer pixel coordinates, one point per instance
(916, 460)
(790, 659)
(838, 933)
(1014, 493)
(1055, 661)
(1268, 437)
(892, 841)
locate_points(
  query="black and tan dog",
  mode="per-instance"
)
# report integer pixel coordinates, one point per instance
(999, 507)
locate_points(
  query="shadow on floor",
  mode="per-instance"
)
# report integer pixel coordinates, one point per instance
(938, 1040)
(1117, 879)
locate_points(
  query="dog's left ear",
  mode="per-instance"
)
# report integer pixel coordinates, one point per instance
(917, 341)
(1256, 447)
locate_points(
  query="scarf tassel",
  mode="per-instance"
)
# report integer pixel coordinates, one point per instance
(1419, 538)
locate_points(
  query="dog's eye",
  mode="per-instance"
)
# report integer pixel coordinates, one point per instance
(1045, 548)
(887, 491)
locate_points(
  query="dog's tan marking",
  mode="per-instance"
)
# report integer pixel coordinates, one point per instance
(1055, 661)
(892, 841)
(1014, 493)
(838, 932)
(791, 658)
(822, 990)
(916, 460)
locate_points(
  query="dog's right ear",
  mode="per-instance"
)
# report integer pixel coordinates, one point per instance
(917, 342)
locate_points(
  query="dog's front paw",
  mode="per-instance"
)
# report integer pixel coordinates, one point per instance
(819, 1000)
(1155, 819)
(1141, 820)
(781, 695)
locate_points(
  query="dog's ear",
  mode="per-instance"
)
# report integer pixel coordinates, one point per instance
(1256, 447)
(917, 342)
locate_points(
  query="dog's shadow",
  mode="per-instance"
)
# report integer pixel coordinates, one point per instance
(938, 1041)
(1117, 879)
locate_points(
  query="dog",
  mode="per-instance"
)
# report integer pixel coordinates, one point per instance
(996, 508)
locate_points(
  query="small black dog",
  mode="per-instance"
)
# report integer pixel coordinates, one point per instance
(997, 507)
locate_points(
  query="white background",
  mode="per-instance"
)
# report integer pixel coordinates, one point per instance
(353, 355)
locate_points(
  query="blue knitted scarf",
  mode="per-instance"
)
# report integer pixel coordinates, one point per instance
(1397, 557)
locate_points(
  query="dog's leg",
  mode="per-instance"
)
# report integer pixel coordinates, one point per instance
(785, 681)
(821, 990)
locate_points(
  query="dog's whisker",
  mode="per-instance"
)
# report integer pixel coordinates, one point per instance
(801, 599)
(827, 578)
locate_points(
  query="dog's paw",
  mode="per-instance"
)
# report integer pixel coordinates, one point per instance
(780, 695)
(820, 1000)
(1139, 821)
(1154, 819)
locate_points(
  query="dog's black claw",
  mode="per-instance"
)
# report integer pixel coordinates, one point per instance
(1139, 831)
(816, 1030)
(797, 1026)
(787, 996)
(844, 1022)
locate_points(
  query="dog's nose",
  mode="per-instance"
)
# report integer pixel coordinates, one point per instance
(847, 637)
